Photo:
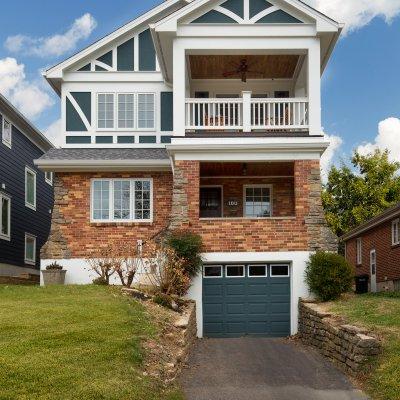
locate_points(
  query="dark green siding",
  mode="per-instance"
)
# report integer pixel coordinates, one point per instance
(106, 59)
(236, 6)
(166, 139)
(214, 17)
(126, 56)
(279, 17)
(147, 139)
(167, 112)
(256, 6)
(104, 139)
(78, 140)
(147, 54)
(85, 68)
(98, 68)
(236, 307)
(84, 100)
(74, 122)
(126, 139)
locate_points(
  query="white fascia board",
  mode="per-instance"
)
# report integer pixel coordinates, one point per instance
(103, 165)
(57, 70)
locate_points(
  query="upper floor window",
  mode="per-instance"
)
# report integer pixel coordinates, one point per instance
(5, 217)
(30, 188)
(121, 200)
(257, 201)
(48, 176)
(6, 135)
(105, 111)
(359, 250)
(396, 232)
(146, 110)
(126, 111)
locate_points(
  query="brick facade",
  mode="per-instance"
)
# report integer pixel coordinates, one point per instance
(387, 256)
(297, 224)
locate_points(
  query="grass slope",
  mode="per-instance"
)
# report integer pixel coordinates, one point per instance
(380, 313)
(73, 342)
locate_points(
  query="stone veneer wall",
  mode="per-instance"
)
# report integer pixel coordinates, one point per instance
(349, 347)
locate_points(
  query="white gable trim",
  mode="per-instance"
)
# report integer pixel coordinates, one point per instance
(263, 13)
(229, 14)
(56, 71)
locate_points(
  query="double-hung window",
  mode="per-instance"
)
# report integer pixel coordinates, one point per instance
(126, 111)
(359, 251)
(146, 111)
(396, 232)
(6, 133)
(257, 201)
(121, 200)
(105, 110)
(30, 188)
(5, 217)
(30, 249)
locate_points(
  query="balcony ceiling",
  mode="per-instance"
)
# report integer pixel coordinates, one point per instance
(260, 66)
(247, 169)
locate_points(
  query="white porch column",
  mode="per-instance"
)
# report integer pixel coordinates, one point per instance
(314, 88)
(179, 89)
(246, 95)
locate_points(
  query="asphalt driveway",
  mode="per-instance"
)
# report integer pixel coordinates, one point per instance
(262, 369)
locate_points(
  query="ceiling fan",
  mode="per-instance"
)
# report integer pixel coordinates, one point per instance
(242, 70)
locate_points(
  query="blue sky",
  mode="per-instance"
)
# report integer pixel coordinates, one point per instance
(360, 87)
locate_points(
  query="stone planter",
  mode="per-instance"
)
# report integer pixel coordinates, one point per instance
(54, 277)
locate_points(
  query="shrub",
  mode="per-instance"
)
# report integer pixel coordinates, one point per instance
(187, 246)
(99, 281)
(329, 275)
(54, 266)
(163, 300)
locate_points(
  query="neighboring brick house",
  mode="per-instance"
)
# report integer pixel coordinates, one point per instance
(373, 248)
(203, 115)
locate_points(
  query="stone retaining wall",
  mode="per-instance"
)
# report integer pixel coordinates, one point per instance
(348, 346)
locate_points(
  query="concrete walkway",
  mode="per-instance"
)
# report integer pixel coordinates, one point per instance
(262, 369)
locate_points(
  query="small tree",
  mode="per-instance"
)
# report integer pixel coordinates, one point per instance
(328, 275)
(102, 263)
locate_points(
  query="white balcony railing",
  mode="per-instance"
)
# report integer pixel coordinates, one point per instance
(247, 114)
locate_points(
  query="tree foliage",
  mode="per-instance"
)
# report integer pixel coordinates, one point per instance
(355, 194)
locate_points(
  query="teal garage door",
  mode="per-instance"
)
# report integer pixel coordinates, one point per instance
(246, 300)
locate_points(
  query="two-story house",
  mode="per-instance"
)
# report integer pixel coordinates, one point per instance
(204, 115)
(26, 194)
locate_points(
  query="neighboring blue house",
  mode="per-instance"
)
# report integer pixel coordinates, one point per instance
(26, 193)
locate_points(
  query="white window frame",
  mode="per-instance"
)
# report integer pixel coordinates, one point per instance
(49, 181)
(257, 265)
(111, 218)
(27, 204)
(154, 112)
(270, 200)
(135, 110)
(279, 276)
(359, 251)
(97, 112)
(27, 260)
(396, 232)
(8, 198)
(221, 267)
(235, 265)
(7, 143)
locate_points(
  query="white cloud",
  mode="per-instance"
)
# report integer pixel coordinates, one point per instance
(54, 45)
(53, 133)
(357, 13)
(388, 138)
(28, 97)
(328, 157)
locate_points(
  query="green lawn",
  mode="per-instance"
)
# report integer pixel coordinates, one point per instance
(74, 342)
(380, 313)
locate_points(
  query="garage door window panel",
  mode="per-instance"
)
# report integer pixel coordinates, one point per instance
(212, 271)
(279, 271)
(257, 271)
(235, 271)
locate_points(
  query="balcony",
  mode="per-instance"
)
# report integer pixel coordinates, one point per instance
(246, 114)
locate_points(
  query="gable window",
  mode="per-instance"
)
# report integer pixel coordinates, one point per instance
(105, 110)
(121, 200)
(48, 176)
(146, 111)
(396, 232)
(6, 135)
(5, 217)
(257, 201)
(359, 250)
(30, 249)
(30, 188)
(126, 114)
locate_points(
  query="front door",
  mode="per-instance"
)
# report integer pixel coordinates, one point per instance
(211, 202)
(373, 270)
